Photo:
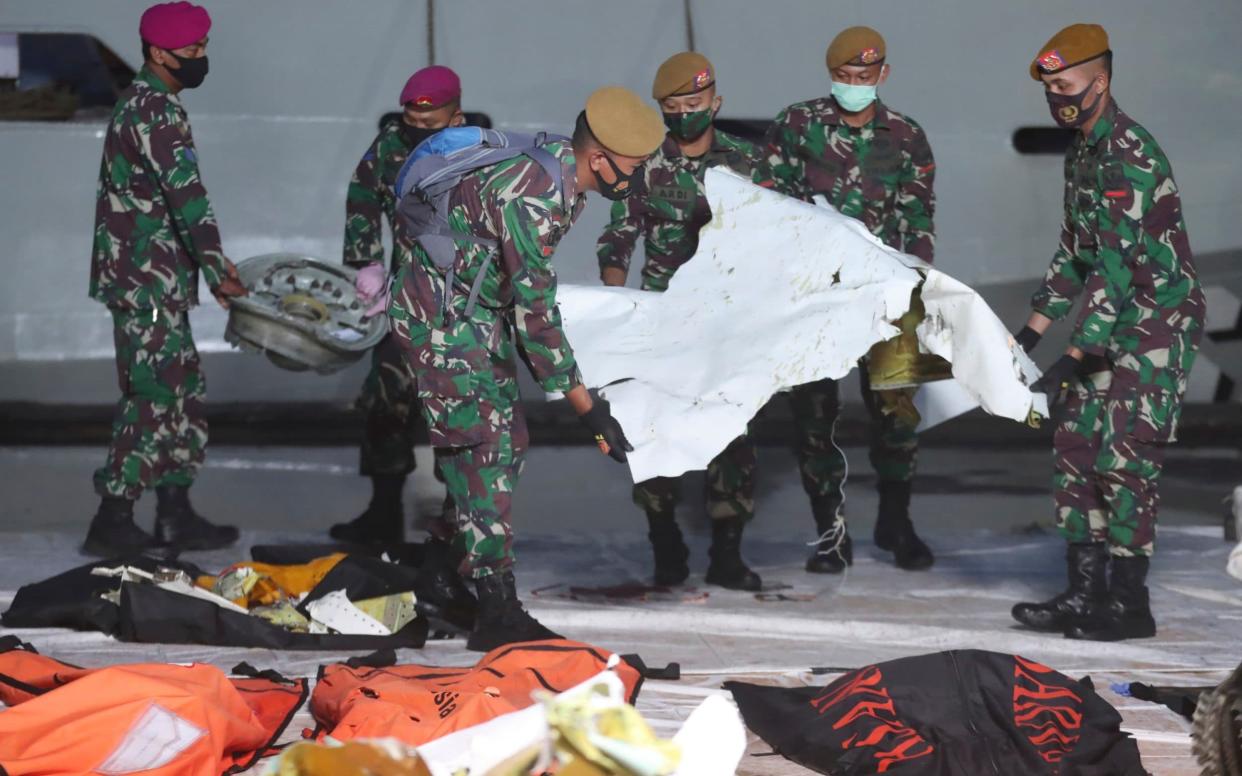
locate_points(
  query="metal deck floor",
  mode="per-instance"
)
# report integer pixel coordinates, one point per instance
(986, 513)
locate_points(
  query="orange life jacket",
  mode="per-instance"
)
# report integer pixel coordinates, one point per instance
(154, 718)
(416, 704)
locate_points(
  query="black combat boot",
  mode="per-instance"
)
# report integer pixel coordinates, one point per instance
(113, 533)
(383, 522)
(177, 524)
(833, 550)
(439, 588)
(727, 569)
(502, 619)
(1126, 611)
(895, 533)
(1087, 569)
(668, 547)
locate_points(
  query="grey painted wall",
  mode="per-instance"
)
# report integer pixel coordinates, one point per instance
(296, 89)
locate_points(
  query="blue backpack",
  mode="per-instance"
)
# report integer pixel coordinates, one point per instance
(434, 169)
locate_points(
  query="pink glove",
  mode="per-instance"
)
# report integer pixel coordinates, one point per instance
(371, 281)
(380, 306)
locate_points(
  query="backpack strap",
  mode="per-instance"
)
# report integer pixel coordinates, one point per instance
(552, 166)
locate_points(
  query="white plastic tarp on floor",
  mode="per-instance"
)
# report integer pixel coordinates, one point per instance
(780, 293)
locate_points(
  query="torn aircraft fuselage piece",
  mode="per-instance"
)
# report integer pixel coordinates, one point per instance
(780, 293)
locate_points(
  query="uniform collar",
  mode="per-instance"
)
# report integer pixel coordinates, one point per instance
(151, 80)
(574, 200)
(1104, 125)
(671, 150)
(880, 121)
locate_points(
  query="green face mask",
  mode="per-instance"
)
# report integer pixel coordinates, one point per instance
(853, 97)
(688, 126)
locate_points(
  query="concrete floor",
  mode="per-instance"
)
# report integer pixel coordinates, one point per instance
(986, 513)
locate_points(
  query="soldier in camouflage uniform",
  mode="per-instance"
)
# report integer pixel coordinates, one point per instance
(431, 101)
(464, 357)
(873, 164)
(668, 211)
(154, 232)
(1124, 248)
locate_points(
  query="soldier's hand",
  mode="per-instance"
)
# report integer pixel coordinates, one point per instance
(608, 434)
(379, 304)
(613, 276)
(229, 288)
(230, 269)
(1057, 377)
(371, 281)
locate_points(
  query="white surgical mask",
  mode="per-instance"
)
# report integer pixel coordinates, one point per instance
(853, 97)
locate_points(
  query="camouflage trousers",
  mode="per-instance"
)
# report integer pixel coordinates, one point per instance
(658, 271)
(480, 480)
(390, 405)
(478, 431)
(730, 485)
(1108, 452)
(816, 406)
(159, 430)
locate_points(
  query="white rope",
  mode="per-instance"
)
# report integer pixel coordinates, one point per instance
(838, 531)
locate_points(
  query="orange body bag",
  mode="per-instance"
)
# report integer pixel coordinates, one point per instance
(416, 704)
(152, 718)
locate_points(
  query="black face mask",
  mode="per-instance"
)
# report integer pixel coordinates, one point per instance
(192, 71)
(624, 184)
(1068, 110)
(417, 135)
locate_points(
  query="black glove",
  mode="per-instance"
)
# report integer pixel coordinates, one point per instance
(1028, 338)
(1092, 364)
(1054, 380)
(608, 434)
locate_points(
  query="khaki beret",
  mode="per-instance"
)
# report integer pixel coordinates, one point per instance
(684, 73)
(856, 46)
(1072, 46)
(623, 123)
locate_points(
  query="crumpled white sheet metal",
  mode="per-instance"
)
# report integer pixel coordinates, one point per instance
(780, 293)
(337, 612)
(961, 328)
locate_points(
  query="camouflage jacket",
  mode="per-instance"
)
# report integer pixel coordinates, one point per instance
(1124, 243)
(154, 228)
(518, 205)
(670, 209)
(881, 174)
(371, 197)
